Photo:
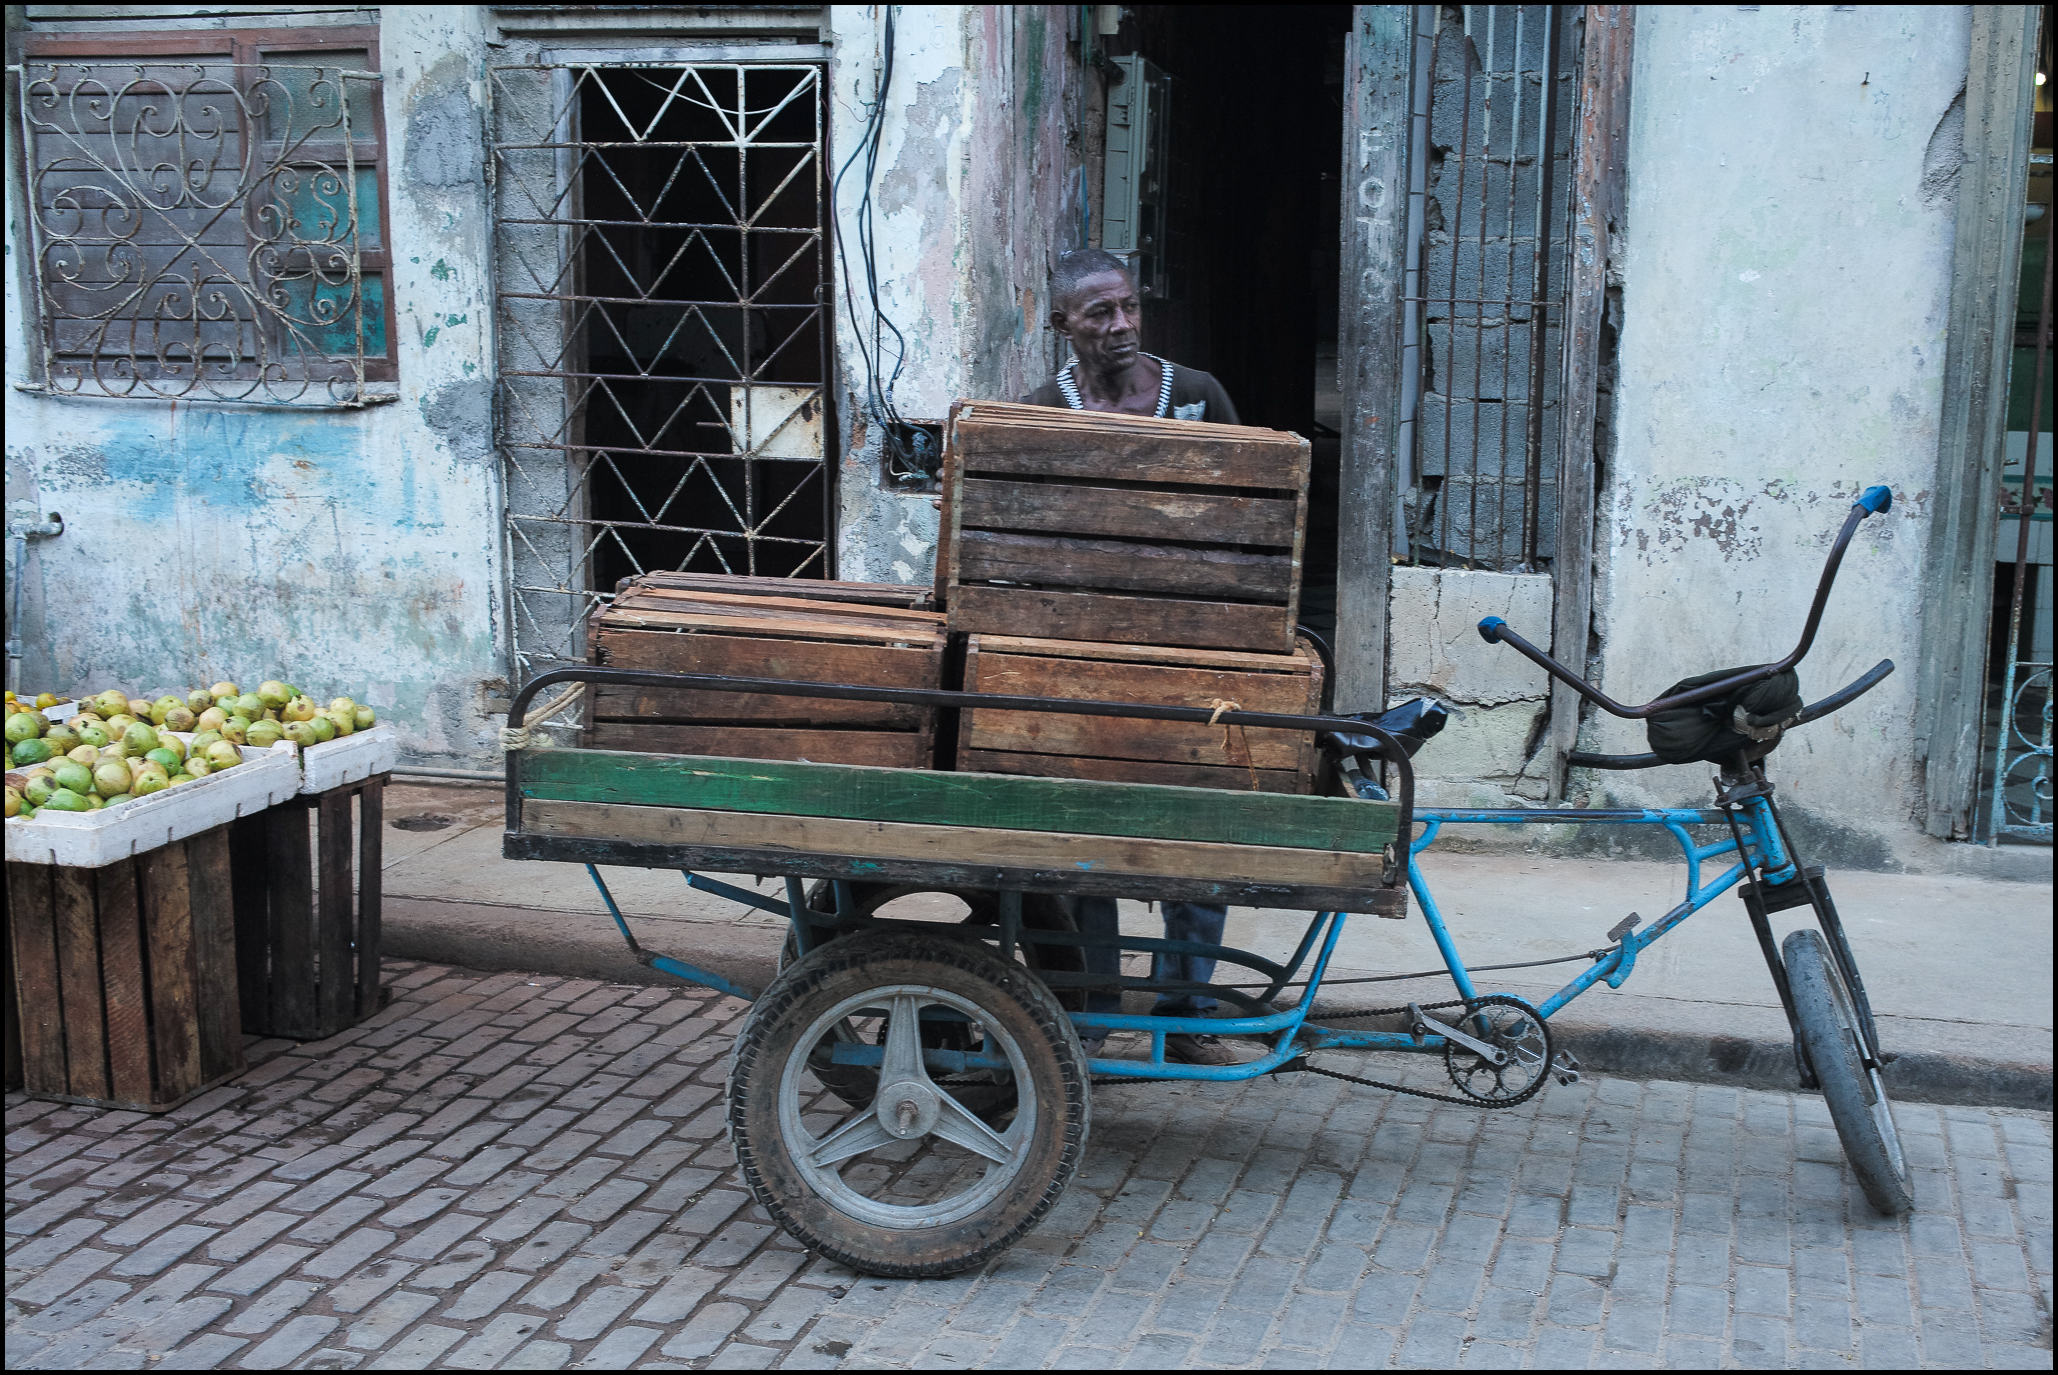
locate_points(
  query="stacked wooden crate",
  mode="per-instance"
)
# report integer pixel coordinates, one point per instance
(803, 630)
(1115, 557)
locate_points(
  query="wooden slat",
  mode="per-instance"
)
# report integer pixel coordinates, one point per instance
(1265, 466)
(1057, 877)
(125, 985)
(1093, 855)
(291, 919)
(335, 907)
(1302, 661)
(879, 748)
(687, 706)
(771, 611)
(370, 888)
(1131, 771)
(991, 802)
(165, 894)
(1127, 566)
(1132, 512)
(733, 620)
(1107, 617)
(1112, 737)
(848, 593)
(249, 877)
(212, 899)
(813, 661)
(78, 966)
(32, 928)
(1110, 679)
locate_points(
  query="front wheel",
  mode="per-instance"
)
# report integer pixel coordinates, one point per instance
(1857, 1099)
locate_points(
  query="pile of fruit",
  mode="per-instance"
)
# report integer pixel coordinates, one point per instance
(115, 748)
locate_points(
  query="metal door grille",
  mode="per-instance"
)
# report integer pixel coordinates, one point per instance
(663, 337)
(1486, 283)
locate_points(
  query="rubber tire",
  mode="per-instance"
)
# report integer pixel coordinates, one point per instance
(855, 1084)
(1829, 1038)
(1006, 991)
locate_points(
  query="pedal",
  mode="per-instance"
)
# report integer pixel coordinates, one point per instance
(1565, 1067)
(1623, 927)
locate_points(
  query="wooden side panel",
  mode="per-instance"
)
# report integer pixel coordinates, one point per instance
(335, 909)
(885, 594)
(1204, 455)
(211, 896)
(1124, 512)
(882, 749)
(165, 891)
(1118, 565)
(290, 993)
(370, 890)
(1109, 737)
(1096, 855)
(1119, 619)
(766, 788)
(250, 882)
(78, 965)
(1131, 771)
(686, 706)
(125, 985)
(32, 923)
(1117, 680)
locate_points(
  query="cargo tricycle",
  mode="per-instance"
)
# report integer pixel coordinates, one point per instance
(910, 1097)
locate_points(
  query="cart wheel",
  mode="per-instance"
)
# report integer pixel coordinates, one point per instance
(913, 1183)
(1857, 1099)
(856, 1084)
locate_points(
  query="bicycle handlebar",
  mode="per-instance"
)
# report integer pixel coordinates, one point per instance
(1843, 696)
(1494, 630)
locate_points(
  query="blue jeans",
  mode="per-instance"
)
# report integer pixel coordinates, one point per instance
(1184, 921)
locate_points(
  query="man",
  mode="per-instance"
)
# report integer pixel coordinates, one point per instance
(1095, 306)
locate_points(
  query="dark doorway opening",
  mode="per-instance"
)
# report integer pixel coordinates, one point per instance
(1252, 229)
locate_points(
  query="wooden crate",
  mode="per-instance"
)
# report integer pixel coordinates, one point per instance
(306, 881)
(127, 976)
(765, 633)
(1073, 525)
(1118, 749)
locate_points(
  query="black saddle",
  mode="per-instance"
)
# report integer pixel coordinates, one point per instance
(1413, 721)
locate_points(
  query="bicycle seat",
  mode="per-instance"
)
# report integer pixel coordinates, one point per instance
(1413, 721)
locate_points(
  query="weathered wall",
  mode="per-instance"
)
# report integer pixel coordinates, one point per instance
(1486, 754)
(1786, 277)
(347, 551)
(976, 192)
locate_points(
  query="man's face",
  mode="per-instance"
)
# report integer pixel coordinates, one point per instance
(1104, 320)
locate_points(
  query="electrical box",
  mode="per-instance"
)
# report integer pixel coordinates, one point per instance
(1133, 198)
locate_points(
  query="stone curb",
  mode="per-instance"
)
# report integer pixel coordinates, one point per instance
(512, 939)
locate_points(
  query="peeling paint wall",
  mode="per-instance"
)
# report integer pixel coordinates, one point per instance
(1486, 754)
(350, 552)
(977, 192)
(1786, 280)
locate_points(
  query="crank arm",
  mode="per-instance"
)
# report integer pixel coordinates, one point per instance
(1425, 1025)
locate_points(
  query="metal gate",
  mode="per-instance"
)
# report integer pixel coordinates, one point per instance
(663, 338)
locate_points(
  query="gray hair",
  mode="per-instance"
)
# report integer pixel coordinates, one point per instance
(1076, 266)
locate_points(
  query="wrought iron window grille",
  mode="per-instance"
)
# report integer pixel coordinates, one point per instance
(207, 229)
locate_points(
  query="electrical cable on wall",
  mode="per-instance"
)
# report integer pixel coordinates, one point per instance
(900, 443)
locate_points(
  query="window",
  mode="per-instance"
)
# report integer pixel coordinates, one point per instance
(207, 214)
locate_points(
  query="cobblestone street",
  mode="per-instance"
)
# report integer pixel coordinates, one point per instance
(527, 1171)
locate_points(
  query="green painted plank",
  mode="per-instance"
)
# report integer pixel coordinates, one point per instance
(1147, 810)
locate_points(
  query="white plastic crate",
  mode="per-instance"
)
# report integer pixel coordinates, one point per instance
(348, 758)
(89, 840)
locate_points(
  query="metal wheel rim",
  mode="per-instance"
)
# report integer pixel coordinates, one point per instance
(1521, 1035)
(804, 1147)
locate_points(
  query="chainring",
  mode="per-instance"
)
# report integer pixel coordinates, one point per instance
(1512, 1026)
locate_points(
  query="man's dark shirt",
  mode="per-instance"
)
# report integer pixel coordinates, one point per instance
(1191, 389)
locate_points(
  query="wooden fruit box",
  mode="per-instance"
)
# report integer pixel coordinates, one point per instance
(126, 975)
(764, 633)
(1118, 749)
(1074, 525)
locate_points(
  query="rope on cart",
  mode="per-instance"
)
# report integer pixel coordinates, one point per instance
(518, 737)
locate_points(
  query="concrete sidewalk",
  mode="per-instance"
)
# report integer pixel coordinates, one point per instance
(1959, 968)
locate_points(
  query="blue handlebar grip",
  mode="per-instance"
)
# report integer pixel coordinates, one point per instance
(1875, 500)
(1490, 629)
